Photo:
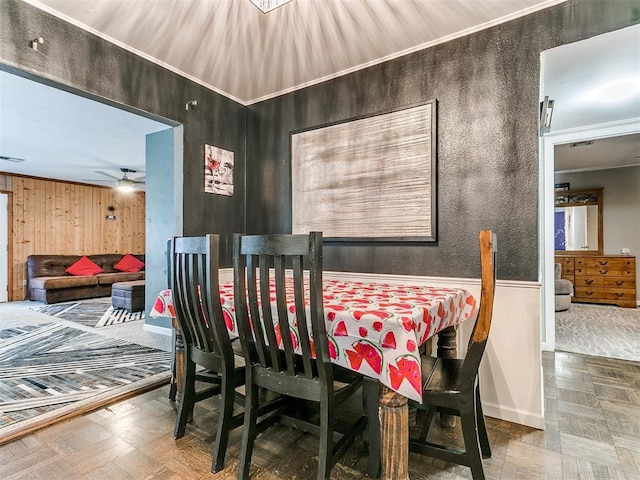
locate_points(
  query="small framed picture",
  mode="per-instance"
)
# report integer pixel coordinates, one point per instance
(218, 171)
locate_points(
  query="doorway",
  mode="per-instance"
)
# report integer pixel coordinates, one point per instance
(570, 75)
(4, 247)
(549, 143)
(85, 139)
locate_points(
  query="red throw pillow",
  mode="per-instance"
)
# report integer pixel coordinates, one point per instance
(84, 267)
(129, 263)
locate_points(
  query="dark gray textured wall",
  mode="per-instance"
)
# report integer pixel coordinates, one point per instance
(487, 88)
(76, 60)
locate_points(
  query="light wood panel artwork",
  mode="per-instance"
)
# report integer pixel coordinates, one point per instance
(55, 217)
(370, 178)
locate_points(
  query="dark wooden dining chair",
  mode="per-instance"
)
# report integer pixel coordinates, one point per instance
(269, 338)
(451, 386)
(196, 297)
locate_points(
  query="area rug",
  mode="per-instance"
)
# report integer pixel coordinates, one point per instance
(90, 313)
(600, 330)
(52, 371)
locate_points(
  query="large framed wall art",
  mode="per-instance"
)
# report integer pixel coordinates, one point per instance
(370, 178)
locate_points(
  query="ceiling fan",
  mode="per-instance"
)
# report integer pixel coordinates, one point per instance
(124, 184)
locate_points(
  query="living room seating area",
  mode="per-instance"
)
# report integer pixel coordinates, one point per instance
(59, 278)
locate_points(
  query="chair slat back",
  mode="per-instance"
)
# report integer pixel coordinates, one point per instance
(478, 340)
(289, 268)
(196, 294)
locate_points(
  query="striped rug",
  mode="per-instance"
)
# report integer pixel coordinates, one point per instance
(51, 371)
(90, 313)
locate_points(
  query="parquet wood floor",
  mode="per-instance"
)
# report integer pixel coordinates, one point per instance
(592, 432)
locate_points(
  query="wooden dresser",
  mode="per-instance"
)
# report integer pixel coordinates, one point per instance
(601, 279)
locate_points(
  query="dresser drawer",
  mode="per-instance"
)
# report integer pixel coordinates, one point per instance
(566, 262)
(611, 263)
(620, 294)
(620, 282)
(606, 271)
(586, 281)
(591, 292)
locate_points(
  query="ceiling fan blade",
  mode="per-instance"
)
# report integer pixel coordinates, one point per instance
(107, 174)
(101, 180)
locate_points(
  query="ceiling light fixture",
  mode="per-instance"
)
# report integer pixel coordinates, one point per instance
(617, 90)
(266, 6)
(125, 185)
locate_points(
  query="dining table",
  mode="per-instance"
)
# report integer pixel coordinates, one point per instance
(376, 329)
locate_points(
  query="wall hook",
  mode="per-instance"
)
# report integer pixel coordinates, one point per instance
(190, 105)
(35, 42)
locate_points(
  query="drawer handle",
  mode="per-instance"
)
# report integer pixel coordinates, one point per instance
(603, 272)
(618, 294)
(603, 263)
(588, 282)
(589, 293)
(620, 283)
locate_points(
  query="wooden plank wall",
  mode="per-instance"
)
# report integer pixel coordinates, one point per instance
(55, 217)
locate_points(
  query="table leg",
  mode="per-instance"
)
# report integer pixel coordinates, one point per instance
(447, 348)
(394, 432)
(178, 363)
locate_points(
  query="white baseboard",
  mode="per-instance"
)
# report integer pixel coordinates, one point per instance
(156, 329)
(530, 419)
(547, 347)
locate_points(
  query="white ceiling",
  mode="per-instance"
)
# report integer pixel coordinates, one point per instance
(612, 152)
(217, 42)
(571, 75)
(67, 137)
(572, 72)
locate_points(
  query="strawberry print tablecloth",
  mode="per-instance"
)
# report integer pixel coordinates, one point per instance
(373, 328)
